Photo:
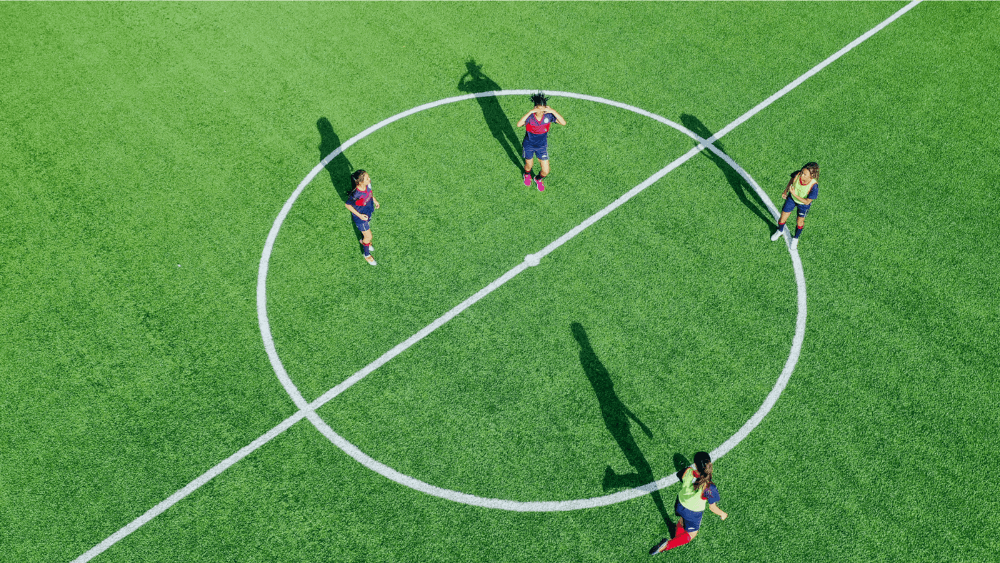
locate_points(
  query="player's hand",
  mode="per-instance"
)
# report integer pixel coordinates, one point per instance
(362, 216)
(377, 205)
(724, 515)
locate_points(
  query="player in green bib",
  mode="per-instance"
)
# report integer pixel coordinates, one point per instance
(697, 493)
(801, 191)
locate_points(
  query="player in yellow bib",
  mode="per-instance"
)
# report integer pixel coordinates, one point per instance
(697, 493)
(801, 191)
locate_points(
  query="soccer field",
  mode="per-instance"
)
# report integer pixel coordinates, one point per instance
(198, 365)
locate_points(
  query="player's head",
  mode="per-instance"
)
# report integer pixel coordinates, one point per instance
(539, 99)
(359, 178)
(813, 169)
(703, 463)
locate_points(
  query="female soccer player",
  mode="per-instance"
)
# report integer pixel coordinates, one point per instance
(697, 491)
(536, 142)
(362, 204)
(803, 189)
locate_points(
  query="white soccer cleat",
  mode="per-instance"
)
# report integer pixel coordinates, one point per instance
(795, 243)
(776, 235)
(371, 261)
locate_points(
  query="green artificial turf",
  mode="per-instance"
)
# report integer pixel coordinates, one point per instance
(148, 148)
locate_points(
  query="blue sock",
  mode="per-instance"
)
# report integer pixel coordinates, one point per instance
(798, 231)
(781, 227)
(367, 249)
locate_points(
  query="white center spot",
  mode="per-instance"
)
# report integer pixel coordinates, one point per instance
(530, 260)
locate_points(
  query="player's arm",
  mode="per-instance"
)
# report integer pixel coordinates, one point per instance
(718, 511)
(788, 186)
(355, 212)
(377, 204)
(520, 122)
(559, 119)
(813, 192)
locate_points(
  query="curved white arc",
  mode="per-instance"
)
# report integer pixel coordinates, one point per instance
(531, 259)
(465, 498)
(262, 316)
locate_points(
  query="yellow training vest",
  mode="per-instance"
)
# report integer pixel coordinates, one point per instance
(799, 192)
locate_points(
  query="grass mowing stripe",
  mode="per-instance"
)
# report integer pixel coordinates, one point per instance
(125, 531)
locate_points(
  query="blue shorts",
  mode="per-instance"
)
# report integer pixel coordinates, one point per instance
(692, 519)
(529, 150)
(791, 204)
(363, 225)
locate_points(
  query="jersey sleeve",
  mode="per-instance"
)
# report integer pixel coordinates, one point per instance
(711, 494)
(553, 116)
(814, 193)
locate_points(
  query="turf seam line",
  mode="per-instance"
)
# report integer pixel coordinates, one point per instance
(305, 411)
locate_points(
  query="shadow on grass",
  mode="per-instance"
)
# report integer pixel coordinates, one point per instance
(681, 463)
(616, 419)
(744, 191)
(339, 168)
(495, 118)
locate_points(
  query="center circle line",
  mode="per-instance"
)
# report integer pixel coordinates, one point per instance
(504, 504)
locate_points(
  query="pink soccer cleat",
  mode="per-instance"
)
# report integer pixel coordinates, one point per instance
(527, 180)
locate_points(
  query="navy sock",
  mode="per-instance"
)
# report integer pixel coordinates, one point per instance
(798, 231)
(781, 227)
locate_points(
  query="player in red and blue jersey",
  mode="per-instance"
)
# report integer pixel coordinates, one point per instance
(362, 204)
(536, 141)
(799, 194)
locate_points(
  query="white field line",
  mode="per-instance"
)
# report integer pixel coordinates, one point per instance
(305, 410)
(531, 260)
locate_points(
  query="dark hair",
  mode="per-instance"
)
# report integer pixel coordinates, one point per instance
(356, 177)
(703, 462)
(539, 99)
(813, 169)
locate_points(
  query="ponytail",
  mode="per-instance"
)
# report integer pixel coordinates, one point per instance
(703, 462)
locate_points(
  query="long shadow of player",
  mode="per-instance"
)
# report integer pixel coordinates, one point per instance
(495, 118)
(339, 168)
(744, 191)
(616, 419)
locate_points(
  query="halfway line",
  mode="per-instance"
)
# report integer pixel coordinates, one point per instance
(303, 412)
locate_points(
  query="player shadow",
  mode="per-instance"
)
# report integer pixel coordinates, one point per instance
(494, 115)
(339, 168)
(744, 191)
(616, 420)
(681, 463)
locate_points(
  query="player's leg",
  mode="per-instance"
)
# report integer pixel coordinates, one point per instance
(543, 158)
(529, 163)
(786, 210)
(366, 246)
(800, 223)
(682, 537)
